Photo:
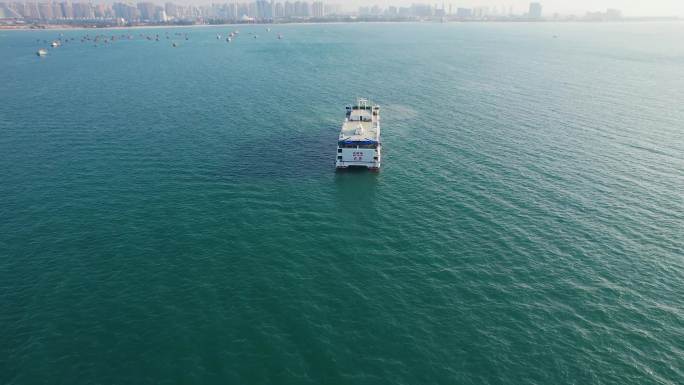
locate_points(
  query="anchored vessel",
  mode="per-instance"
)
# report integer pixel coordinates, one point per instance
(359, 142)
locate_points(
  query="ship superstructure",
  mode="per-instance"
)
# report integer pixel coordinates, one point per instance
(359, 142)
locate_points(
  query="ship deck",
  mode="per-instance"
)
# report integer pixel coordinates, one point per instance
(349, 130)
(368, 124)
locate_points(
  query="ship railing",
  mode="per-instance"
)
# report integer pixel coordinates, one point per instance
(363, 104)
(358, 144)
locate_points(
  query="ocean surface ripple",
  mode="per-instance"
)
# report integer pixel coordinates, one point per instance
(172, 215)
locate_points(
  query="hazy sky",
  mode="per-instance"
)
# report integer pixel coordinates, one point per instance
(629, 7)
(575, 7)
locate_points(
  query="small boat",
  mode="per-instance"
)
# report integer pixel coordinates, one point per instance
(42, 52)
(55, 44)
(280, 37)
(218, 37)
(268, 30)
(174, 44)
(229, 39)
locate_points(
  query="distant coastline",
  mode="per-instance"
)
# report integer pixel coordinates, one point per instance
(105, 25)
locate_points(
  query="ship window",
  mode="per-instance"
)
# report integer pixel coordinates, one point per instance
(339, 150)
(375, 158)
(339, 158)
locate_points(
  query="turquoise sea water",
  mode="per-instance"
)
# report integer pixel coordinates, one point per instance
(173, 216)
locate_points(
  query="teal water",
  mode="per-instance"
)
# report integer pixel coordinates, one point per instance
(173, 216)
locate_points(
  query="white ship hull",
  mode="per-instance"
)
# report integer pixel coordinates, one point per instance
(359, 142)
(359, 158)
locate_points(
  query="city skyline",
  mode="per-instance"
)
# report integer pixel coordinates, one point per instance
(629, 8)
(130, 13)
(265, 11)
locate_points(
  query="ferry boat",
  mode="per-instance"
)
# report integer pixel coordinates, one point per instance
(359, 142)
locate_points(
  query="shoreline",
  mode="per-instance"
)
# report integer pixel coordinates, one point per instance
(66, 27)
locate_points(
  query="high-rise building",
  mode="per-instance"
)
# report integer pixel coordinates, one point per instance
(302, 9)
(535, 11)
(160, 14)
(57, 11)
(67, 10)
(480, 12)
(125, 11)
(278, 10)
(405, 12)
(171, 10)
(464, 13)
(421, 10)
(45, 11)
(11, 11)
(264, 10)
(83, 11)
(252, 10)
(102, 11)
(332, 9)
(31, 11)
(317, 9)
(147, 10)
(288, 9)
(242, 10)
